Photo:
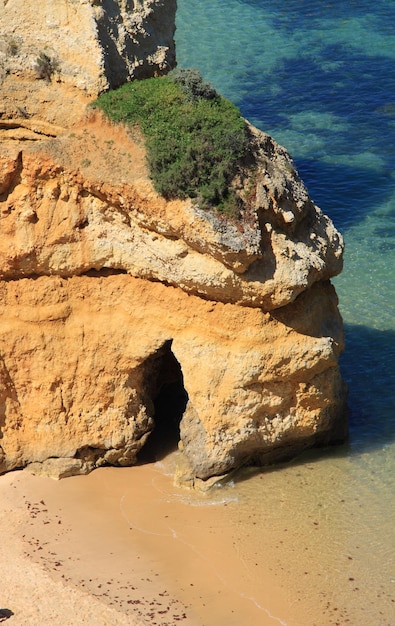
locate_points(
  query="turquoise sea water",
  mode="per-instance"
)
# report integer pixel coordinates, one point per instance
(320, 78)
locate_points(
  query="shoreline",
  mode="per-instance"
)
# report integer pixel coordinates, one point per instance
(106, 548)
(126, 546)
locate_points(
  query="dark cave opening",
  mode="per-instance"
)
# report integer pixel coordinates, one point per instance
(170, 399)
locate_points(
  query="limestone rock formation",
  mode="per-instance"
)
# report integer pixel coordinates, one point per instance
(91, 44)
(122, 313)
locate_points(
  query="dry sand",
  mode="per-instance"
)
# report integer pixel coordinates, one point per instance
(28, 591)
(123, 546)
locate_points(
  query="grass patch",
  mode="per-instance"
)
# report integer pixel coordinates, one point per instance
(195, 138)
(46, 66)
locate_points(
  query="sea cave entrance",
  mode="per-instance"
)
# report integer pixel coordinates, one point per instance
(165, 386)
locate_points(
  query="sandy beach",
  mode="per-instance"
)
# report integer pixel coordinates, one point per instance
(30, 594)
(123, 546)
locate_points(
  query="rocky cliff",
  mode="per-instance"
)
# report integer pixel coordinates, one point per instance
(91, 44)
(121, 312)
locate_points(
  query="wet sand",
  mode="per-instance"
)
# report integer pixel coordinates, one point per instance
(123, 546)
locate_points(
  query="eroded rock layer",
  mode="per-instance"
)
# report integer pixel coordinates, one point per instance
(65, 221)
(83, 359)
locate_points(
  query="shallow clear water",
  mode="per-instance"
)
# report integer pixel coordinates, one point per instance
(320, 78)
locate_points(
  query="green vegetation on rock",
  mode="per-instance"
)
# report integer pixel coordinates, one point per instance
(194, 137)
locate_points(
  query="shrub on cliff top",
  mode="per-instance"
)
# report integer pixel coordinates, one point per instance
(194, 137)
(192, 83)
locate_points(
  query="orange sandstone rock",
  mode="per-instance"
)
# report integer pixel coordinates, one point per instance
(83, 359)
